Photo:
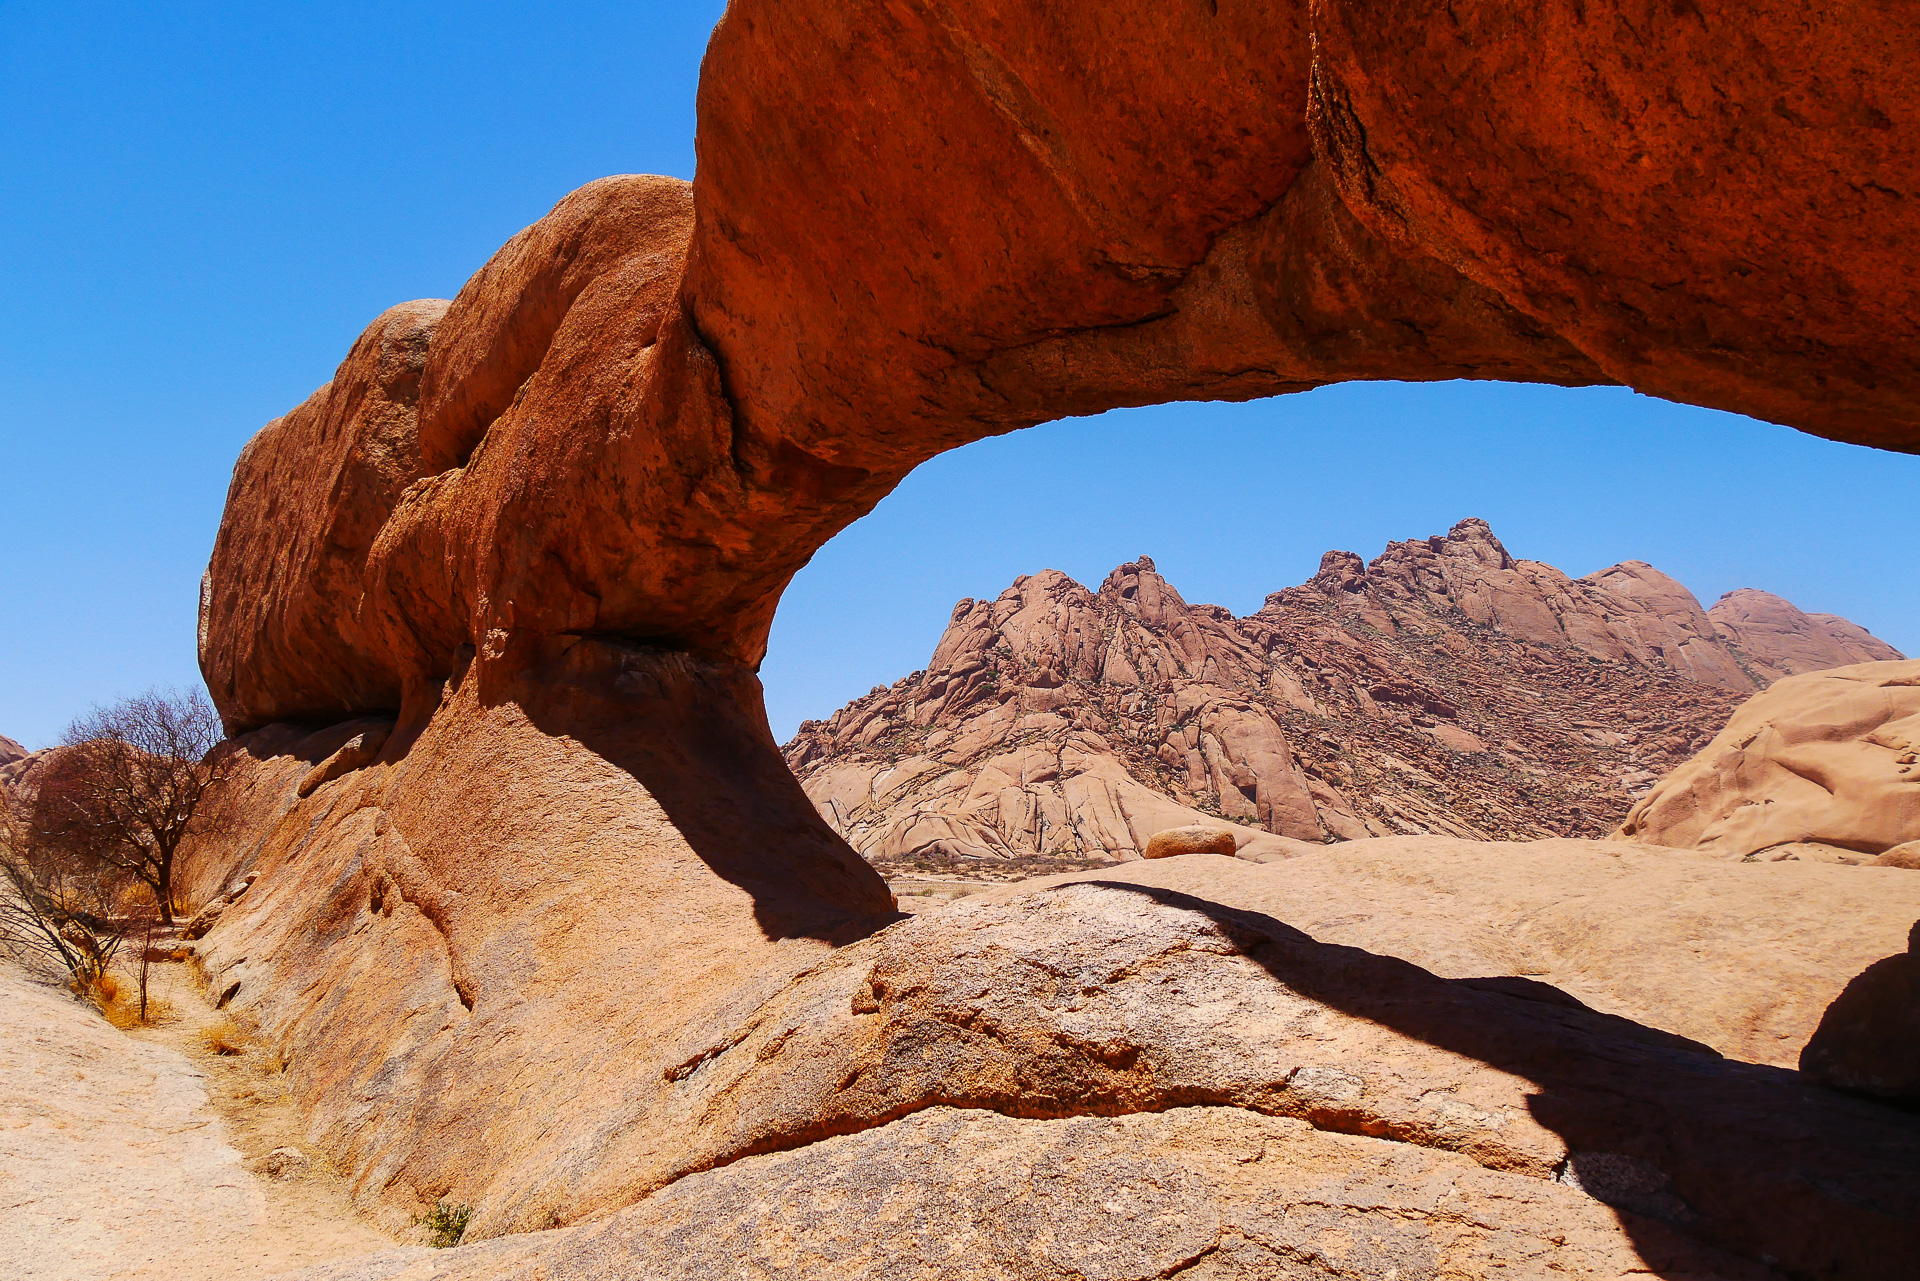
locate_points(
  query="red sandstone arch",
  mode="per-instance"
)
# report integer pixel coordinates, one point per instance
(918, 224)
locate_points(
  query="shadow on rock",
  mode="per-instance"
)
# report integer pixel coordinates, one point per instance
(693, 732)
(1749, 1158)
(1868, 1041)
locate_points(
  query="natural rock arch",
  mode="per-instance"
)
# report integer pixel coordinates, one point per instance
(918, 225)
(544, 527)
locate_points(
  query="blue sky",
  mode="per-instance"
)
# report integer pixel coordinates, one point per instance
(204, 203)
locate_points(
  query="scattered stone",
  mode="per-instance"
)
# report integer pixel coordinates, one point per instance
(1197, 839)
(281, 1163)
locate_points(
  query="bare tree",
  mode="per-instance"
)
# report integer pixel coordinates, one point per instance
(56, 911)
(130, 784)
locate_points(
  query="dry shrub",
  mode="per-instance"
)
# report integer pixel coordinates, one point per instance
(225, 1037)
(119, 1003)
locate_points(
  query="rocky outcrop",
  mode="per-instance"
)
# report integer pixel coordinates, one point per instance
(1192, 1192)
(17, 765)
(1039, 1009)
(575, 930)
(1778, 640)
(1821, 765)
(1443, 687)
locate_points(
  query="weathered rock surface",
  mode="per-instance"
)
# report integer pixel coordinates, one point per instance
(1778, 640)
(1194, 1192)
(1821, 765)
(115, 1166)
(1444, 687)
(1744, 958)
(575, 935)
(10, 751)
(1176, 985)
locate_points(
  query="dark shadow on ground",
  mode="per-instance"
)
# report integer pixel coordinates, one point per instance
(1752, 1159)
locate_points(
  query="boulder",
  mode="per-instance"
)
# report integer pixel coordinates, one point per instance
(208, 916)
(1197, 839)
(357, 752)
(1823, 759)
(1905, 855)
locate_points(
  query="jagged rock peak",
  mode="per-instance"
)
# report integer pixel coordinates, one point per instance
(1442, 687)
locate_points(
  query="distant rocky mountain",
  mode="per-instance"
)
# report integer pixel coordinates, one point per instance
(15, 760)
(1443, 687)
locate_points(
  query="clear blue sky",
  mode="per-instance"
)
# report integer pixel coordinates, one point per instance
(204, 204)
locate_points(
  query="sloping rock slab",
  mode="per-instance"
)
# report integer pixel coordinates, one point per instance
(1194, 1192)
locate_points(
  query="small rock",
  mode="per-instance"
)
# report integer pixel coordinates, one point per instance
(1197, 839)
(281, 1163)
(1907, 856)
(169, 950)
(205, 919)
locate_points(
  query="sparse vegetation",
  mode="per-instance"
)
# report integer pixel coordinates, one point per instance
(56, 910)
(225, 1037)
(445, 1223)
(128, 786)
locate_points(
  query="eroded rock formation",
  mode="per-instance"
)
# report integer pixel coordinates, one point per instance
(575, 935)
(1443, 687)
(1778, 640)
(1818, 766)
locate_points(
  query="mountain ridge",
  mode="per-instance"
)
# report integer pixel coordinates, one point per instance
(1063, 726)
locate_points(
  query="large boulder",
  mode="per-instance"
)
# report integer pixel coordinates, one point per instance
(1817, 765)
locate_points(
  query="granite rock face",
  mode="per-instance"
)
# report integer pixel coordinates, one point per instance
(1821, 765)
(1122, 993)
(1444, 687)
(1779, 640)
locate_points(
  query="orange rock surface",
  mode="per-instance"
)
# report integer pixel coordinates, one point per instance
(1819, 765)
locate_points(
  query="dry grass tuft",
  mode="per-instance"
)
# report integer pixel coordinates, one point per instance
(224, 1037)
